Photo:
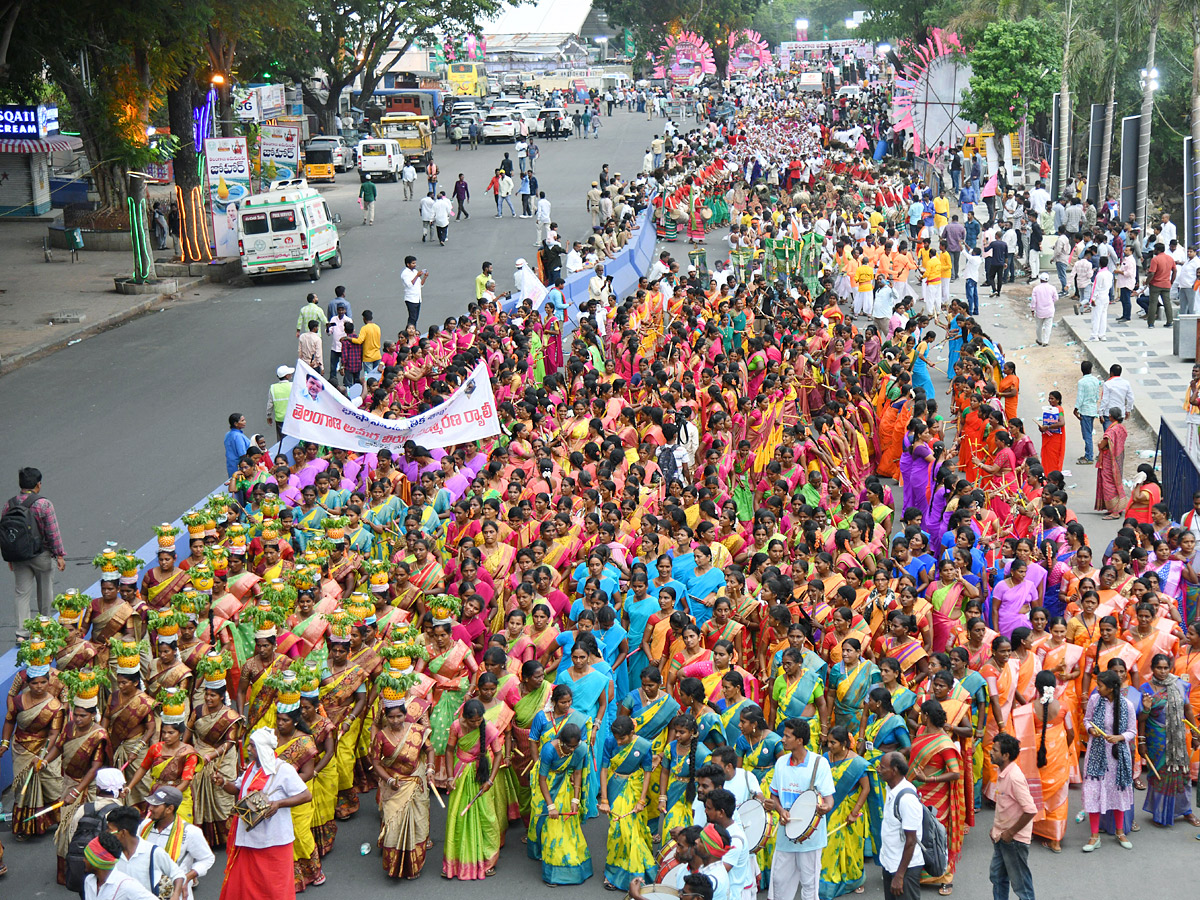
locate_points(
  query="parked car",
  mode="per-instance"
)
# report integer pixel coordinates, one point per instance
(339, 148)
(501, 126)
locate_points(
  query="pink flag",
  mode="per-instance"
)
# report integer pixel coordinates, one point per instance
(989, 189)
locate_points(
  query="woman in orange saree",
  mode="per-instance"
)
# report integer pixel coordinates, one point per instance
(1187, 667)
(937, 770)
(957, 704)
(1000, 672)
(1046, 732)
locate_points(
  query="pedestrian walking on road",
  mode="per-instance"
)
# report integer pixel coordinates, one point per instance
(1041, 302)
(542, 218)
(408, 177)
(473, 131)
(414, 281)
(277, 397)
(442, 210)
(310, 310)
(33, 544)
(428, 203)
(577, 122)
(525, 192)
(505, 195)
(1012, 825)
(902, 830)
(506, 165)
(457, 136)
(586, 120)
(236, 443)
(462, 193)
(337, 328)
(493, 188)
(366, 195)
(431, 173)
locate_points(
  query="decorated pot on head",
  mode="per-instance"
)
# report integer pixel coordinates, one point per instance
(36, 655)
(202, 577)
(83, 686)
(106, 561)
(165, 535)
(174, 704)
(128, 655)
(238, 537)
(71, 607)
(212, 669)
(195, 521)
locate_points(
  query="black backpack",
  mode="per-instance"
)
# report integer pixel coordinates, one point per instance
(20, 536)
(934, 846)
(91, 823)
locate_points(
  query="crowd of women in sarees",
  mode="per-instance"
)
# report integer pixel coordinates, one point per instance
(684, 533)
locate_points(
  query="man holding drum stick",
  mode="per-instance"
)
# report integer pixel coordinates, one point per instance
(802, 793)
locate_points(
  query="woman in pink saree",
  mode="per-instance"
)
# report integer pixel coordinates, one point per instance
(1110, 465)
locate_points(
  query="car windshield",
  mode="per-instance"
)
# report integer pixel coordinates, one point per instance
(322, 156)
(254, 222)
(283, 220)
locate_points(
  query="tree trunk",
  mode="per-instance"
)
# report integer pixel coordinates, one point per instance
(1064, 105)
(1106, 142)
(1192, 239)
(108, 177)
(139, 217)
(1147, 114)
(189, 193)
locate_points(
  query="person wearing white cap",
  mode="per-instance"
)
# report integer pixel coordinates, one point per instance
(109, 784)
(181, 840)
(1041, 303)
(260, 860)
(277, 398)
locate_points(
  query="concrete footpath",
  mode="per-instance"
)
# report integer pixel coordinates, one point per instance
(1147, 359)
(81, 294)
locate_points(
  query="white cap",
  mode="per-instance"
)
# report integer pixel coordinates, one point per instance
(284, 371)
(1044, 277)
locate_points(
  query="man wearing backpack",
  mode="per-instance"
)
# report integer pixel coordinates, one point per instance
(900, 852)
(89, 820)
(31, 544)
(1012, 827)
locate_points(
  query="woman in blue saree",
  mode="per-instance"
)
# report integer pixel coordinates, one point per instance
(798, 693)
(709, 730)
(703, 581)
(651, 710)
(616, 648)
(639, 606)
(975, 685)
(591, 685)
(849, 682)
(625, 767)
(558, 830)
(954, 338)
(843, 857)
(882, 732)
(545, 728)
(731, 705)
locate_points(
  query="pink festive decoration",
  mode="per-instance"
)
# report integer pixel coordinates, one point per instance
(928, 91)
(748, 53)
(685, 59)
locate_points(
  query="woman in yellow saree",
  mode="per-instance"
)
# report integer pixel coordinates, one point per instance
(298, 749)
(32, 725)
(625, 768)
(324, 785)
(216, 734)
(1047, 735)
(843, 859)
(936, 770)
(344, 696)
(651, 709)
(558, 831)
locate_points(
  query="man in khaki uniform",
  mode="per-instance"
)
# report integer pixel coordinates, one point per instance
(593, 203)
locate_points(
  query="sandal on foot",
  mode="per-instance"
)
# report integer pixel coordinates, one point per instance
(1135, 827)
(1124, 842)
(490, 872)
(946, 890)
(1093, 844)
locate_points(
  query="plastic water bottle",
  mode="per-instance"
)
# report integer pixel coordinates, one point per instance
(364, 850)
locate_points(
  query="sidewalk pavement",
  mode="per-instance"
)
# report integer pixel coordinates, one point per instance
(32, 290)
(1147, 359)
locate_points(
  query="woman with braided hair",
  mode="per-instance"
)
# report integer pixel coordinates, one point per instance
(1055, 736)
(677, 784)
(1108, 765)
(472, 830)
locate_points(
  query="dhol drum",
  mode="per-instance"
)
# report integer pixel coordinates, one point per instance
(666, 862)
(803, 817)
(759, 824)
(658, 892)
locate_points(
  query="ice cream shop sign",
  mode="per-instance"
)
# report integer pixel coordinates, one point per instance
(28, 121)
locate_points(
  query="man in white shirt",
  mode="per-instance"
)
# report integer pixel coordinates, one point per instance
(408, 177)
(141, 860)
(1101, 286)
(740, 782)
(719, 808)
(426, 208)
(165, 828)
(103, 881)
(442, 211)
(882, 305)
(522, 148)
(796, 865)
(660, 268)
(1185, 279)
(337, 328)
(1041, 303)
(414, 281)
(900, 835)
(1039, 198)
(541, 218)
(599, 288)
(1166, 232)
(1117, 393)
(575, 257)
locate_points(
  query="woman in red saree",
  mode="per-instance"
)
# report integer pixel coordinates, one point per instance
(1110, 468)
(1144, 495)
(1000, 477)
(936, 768)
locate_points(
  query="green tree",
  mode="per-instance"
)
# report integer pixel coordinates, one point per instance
(1011, 64)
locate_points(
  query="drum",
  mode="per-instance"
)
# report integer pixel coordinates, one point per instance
(758, 823)
(803, 817)
(658, 892)
(666, 862)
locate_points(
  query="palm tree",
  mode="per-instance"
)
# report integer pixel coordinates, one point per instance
(1064, 102)
(1106, 144)
(1149, 11)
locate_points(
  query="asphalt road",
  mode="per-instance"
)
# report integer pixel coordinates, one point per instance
(127, 426)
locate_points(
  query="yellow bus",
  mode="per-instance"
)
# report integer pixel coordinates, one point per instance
(468, 79)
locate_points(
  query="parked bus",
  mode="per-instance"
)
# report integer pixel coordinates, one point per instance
(468, 79)
(418, 101)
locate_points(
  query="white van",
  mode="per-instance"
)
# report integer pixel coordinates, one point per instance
(380, 159)
(287, 229)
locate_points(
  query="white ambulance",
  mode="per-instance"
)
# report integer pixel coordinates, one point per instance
(287, 229)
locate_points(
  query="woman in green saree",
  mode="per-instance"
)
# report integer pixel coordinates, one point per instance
(651, 709)
(450, 665)
(546, 728)
(527, 697)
